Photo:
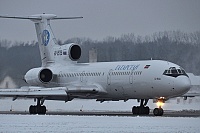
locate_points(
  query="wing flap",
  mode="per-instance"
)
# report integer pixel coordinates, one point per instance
(61, 93)
(33, 92)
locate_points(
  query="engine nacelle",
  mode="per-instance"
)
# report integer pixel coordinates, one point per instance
(39, 76)
(67, 53)
(74, 52)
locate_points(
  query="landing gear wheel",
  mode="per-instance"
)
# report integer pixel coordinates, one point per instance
(158, 111)
(146, 110)
(142, 109)
(38, 109)
(137, 110)
(32, 109)
(42, 110)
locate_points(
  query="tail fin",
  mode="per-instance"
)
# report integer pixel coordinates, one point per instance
(46, 38)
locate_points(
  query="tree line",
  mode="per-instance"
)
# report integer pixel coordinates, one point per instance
(174, 46)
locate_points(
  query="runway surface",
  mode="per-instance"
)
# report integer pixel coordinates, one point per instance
(70, 123)
(167, 113)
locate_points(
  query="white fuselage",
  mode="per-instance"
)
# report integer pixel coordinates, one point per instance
(124, 80)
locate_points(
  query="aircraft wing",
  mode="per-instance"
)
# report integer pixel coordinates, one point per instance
(195, 86)
(190, 94)
(193, 92)
(56, 93)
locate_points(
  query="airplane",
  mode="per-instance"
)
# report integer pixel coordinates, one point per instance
(62, 78)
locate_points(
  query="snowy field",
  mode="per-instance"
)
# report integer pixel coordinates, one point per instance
(96, 124)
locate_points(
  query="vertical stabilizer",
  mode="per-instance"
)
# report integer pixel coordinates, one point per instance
(45, 37)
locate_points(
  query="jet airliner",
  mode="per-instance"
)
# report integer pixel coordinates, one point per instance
(62, 78)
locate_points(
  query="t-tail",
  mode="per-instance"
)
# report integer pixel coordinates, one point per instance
(50, 51)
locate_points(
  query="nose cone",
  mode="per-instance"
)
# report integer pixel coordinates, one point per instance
(182, 84)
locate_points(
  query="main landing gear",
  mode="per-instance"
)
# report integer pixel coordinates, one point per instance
(39, 108)
(141, 110)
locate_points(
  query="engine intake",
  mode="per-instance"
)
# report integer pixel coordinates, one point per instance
(45, 75)
(74, 52)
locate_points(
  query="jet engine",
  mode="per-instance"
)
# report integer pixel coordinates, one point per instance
(68, 52)
(74, 52)
(39, 76)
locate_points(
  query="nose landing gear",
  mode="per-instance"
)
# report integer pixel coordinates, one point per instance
(159, 111)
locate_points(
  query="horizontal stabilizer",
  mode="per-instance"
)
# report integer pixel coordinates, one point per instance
(20, 17)
(39, 17)
(56, 18)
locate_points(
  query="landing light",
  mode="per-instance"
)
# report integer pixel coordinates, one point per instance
(160, 104)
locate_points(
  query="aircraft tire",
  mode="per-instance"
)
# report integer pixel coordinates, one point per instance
(137, 110)
(158, 111)
(37, 109)
(42, 110)
(32, 109)
(146, 110)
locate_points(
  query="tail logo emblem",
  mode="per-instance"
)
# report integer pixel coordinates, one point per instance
(45, 37)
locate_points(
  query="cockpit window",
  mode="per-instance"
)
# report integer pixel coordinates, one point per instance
(179, 71)
(173, 72)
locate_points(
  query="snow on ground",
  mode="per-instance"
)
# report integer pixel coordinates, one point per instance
(97, 124)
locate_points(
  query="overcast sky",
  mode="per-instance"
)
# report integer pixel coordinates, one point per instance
(101, 17)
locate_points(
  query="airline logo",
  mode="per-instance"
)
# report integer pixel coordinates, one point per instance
(126, 67)
(45, 37)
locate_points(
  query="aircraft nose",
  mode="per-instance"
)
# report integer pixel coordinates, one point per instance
(182, 84)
